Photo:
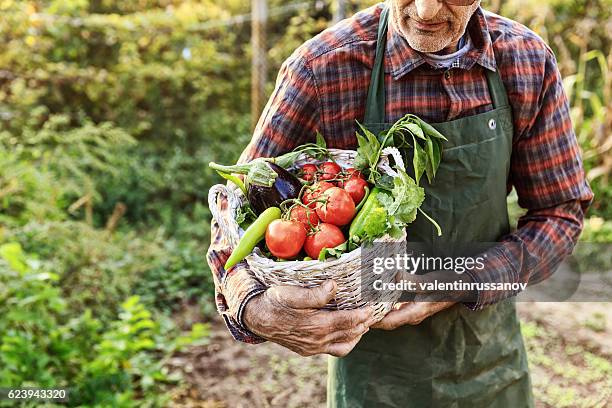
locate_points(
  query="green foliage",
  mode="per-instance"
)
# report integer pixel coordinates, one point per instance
(58, 163)
(96, 269)
(45, 344)
(594, 251)
(578, 33)
(597, 230)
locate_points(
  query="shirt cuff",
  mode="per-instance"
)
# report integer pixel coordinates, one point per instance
(240, 286)
(498, 269)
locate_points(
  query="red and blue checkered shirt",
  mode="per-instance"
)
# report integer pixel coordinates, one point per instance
(323, 87)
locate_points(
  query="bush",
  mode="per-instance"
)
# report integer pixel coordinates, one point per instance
(97, 269)
(104, 362)
(51, 169)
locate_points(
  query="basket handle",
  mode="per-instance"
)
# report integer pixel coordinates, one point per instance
(223, 203)
(397, 158)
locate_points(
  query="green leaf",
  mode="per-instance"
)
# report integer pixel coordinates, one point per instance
(419, 160)
(396, 230)
(368, 153)
(385, 182)
(416, 130)
(369, 145)
(437, 154)
(14, 256)
(385, 199)
(245, 216)
(430, 130)
(434, 147)
(408, 196)
(429, 171)
(321, 140)
(377, 225)
(335, 252)
(438, 229)
(408, 216)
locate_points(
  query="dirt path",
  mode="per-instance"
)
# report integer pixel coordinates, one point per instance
(569, 346)
(230, 374)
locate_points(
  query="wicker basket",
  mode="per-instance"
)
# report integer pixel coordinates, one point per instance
(346, 270)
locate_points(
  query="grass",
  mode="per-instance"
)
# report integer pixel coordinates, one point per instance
(565, 373)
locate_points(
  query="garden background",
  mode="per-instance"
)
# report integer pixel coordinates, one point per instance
(109, 113)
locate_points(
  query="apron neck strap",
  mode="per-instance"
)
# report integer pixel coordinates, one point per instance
(375, 104)
(496, 89)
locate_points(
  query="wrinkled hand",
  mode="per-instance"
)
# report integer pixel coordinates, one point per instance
(411, 313)
(424, 304)
(291, 317)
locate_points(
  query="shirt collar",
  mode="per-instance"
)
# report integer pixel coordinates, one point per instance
(401, 58)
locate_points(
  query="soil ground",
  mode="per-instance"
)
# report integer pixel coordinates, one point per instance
(569, 347)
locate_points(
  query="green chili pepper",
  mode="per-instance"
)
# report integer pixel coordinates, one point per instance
(252, 236)
(358, 226)
(307, 258)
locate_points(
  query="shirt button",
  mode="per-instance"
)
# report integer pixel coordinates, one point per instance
(447, 74)
(492, 124)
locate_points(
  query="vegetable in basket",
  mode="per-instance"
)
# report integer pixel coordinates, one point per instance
(266, 182)
(326, 210)
(285, 238)
(325, 236)
(252, 236)
(336, 207)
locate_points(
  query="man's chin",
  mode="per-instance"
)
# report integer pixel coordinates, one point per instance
(427, 44)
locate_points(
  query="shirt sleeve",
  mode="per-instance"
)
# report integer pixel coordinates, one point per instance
(547, 173)
(290, 118)
(234, 287)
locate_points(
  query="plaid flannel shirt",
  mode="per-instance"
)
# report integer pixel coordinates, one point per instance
(323, 86)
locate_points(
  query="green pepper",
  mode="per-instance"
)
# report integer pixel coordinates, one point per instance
(364, 216)
(252, 236)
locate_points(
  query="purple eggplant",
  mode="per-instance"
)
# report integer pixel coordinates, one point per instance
(285, 186)
(266, 184)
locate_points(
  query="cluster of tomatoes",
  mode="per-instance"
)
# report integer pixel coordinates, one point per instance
(315, 220)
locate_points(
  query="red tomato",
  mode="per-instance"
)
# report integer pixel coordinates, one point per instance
(351, 172)
(330, 170)
(356, 189)
(326, 236)
(306, 216)
(309, 172)
(285, 238)
(338, 209)
(347, 175)
(313, 192)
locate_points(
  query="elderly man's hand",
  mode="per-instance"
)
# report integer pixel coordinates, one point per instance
(426, 303)
(411, 313)
(292, 317)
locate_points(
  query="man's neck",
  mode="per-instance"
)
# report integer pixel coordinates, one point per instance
(449, 49)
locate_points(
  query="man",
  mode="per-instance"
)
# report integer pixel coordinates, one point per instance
(491, 86)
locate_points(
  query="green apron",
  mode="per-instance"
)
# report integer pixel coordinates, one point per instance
(458, 357)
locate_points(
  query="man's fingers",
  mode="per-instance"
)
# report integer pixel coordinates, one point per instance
(406, 313)
(348, 319)
(347, 335)
(302, 298)
(342, 349)
(410, 313)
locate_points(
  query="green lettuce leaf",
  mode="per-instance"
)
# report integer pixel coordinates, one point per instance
(408, 196)
(335, 252)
